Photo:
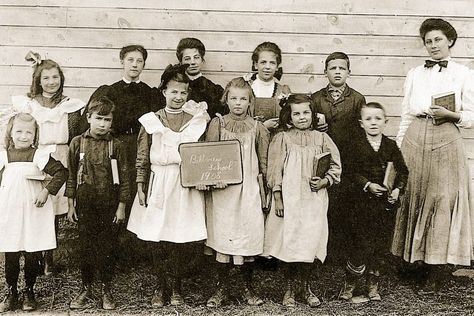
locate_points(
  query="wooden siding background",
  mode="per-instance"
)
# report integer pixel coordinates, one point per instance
(85, 36)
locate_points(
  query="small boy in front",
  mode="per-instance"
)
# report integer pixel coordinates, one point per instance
(341, 106)
(372, 215)
(97, 191)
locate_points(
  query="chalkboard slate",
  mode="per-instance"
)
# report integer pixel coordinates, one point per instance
(209, 162)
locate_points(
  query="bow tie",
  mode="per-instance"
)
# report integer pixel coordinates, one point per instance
(431, 63)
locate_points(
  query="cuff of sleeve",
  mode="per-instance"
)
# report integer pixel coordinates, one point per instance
(69, 192)
(276, 188)
(366, 186)
(330, 180)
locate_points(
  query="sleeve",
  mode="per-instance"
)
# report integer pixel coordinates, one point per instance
(335, 168)
(74, 122)
(406, 116)
(276, 161)
(215, 93)
(59, 173)
(121, 156)
(213, 130)
(143, 156)
(73, 163)
(354, 165)
(401, 169)
(467, 106)
(262, 143)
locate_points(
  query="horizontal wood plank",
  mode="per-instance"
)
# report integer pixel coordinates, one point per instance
(215, 61)
(159, 19)
(388, 7)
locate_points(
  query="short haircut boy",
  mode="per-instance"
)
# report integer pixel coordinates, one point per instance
(337, 55)
(101, 105)
(190, 42)
(374, 105)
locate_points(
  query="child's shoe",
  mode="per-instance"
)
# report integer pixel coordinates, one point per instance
(373, 287)
(158, 299)
(176, 298)
(48, 262)
(82, 299)
(10, 301)
(29, 301)
(108, 302)
(251, 298)
(289, 297)
(219, 296)
(353, 274)
(311, 299)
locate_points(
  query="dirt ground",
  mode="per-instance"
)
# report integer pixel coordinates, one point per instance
(134, 284)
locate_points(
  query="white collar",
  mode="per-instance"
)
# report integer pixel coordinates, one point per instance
(194, 77)
(128, 81)
(264, 83)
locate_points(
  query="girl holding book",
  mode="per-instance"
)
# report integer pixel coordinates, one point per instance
(296, 230)
(58, 117)
(434, 224)
(235, 220)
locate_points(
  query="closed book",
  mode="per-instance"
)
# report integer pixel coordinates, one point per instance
(390, 175)
(321, 164)
(266, 108)
(446, 100)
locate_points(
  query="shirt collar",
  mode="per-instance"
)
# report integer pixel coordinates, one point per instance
(129, 82)
(333, 88)
(194, 77)
(87, 134)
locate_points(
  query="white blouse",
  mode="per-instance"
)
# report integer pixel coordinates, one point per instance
(263, 89)
(422, 83)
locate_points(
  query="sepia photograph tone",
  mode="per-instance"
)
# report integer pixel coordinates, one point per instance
(285, 157)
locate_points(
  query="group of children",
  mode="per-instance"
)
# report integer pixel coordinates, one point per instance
(143, 140)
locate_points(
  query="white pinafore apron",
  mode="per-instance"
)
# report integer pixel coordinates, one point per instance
(302, 234)
(174, 213)
(23, 225)
(235, 221)
(53, 127)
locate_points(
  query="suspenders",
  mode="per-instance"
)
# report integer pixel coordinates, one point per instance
(83, 177)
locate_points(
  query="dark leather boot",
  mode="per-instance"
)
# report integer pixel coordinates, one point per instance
(289, 296)
(10, 301)
(108, 302)
(373, 287)
(29, 301)
(176, 298)
(83, 299)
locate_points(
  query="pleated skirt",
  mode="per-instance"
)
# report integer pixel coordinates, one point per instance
(435, 221)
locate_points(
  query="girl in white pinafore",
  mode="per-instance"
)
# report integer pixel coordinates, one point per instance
(234, 214)
(58, 118)
(296, 230)
(26, 212)
(171, 216)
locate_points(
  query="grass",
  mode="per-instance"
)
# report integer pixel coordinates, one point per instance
(134, 284)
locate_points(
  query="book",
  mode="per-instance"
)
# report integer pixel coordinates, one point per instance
(266, 108)
(446, 100)
(390, 176)
(321, 164)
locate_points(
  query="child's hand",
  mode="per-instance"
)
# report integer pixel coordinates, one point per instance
(202, 187)
(317, 183)
(271, 123)
(120, 214)
(141, 197)
(41, 198)
(393, 197)
(71, 214)
(278, 204)
(220, 185)
(323, 128)
(376, 189)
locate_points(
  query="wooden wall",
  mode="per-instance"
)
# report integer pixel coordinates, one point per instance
(85, 37)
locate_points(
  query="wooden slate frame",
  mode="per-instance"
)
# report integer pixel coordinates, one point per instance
(192, 173)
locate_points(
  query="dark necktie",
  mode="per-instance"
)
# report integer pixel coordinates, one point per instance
(431, 63)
